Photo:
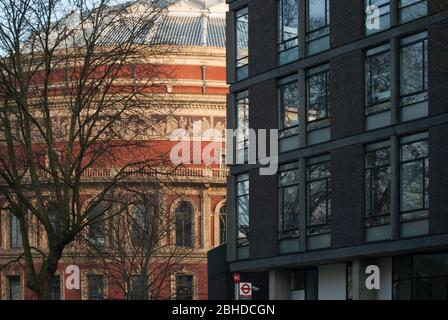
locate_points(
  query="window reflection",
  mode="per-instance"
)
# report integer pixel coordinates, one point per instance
(289, 201)
(378, 76)
(319, 199)
(318, 26)
(184, 225)
(414, 180)
(288, 30)
(243, 210)
(242, 43)
(378, 183)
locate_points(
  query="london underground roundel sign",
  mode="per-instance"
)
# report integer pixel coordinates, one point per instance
(245, 290)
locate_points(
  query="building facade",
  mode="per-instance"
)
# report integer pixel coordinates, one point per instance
(357, 92)
(195, 194)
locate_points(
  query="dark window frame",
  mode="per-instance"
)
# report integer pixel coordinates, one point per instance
(408, 215)
(292, 232)
(305, 285)
(97, 227)
(242, 13)
(223, 224)
(384, 104)
(139, 287)
(183, 219)
(315, 72)
(287, 132)
(372, 219)
(326, 28)
(57, 286)
(412, 277)
(402, 8)
(244, 98)
(9, 279)
(421, 37)
(55, 217)
(98, 295)
(144, 221)
(322, 228)
(282, 43)
(179, 285)
(15, 235)
(242, 241)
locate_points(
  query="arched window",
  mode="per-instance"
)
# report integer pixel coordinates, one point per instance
(184, 225)
(222, 225)
(143, 224)
(96, 217)
(15, 236)
(55, 217)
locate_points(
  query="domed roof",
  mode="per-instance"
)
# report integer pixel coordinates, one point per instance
(191, 31)
(194, 23)
(187, 23)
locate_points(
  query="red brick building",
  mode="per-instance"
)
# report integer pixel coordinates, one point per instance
(198, 85)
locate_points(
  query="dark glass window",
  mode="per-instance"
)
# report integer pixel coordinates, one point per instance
(242, 126)
(412, 9)
(242, 210)
(414, 178)
(95, 285)
(138, 288)
(318, 25)
(319, 197)
(15, 290)
(378, 182)
(242, 43)
(378, 79)
(414, 69)
(97, 216)
(318, 91)
(55, 218)
(289, 201)
(15, 236)
(184, 225)
(56, 288)
(420, 277)
(184, 287)
(143, 220)
(222, 225)
(288, 93)
(305, 280)
(288, 30)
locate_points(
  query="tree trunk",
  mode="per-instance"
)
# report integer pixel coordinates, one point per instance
(48, 269)
(45, 288)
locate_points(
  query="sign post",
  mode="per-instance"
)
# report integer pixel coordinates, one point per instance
(236, 280)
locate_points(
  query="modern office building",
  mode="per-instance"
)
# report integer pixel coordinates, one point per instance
(358, 91)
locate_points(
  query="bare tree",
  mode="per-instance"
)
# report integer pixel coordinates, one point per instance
(141, 253)
(72, 106)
